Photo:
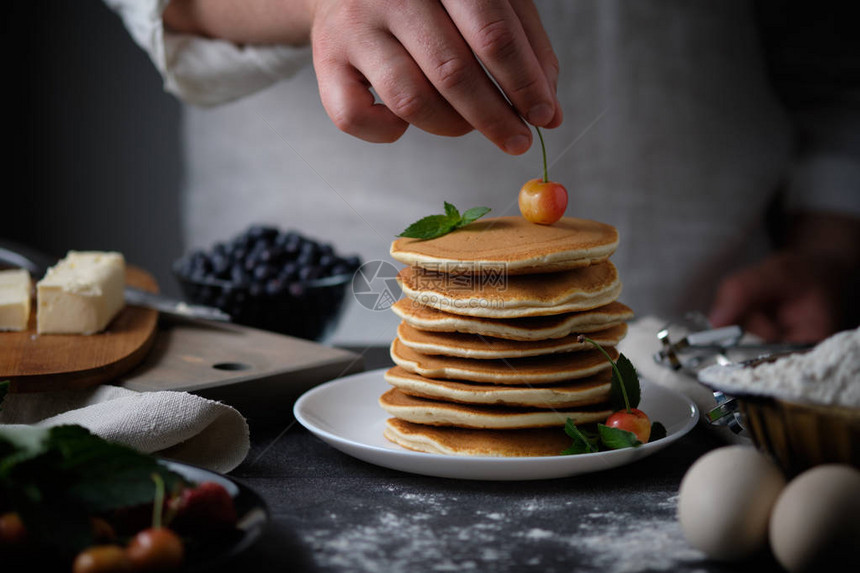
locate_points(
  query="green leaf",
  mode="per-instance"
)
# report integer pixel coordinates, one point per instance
(430, 227)
(56, 478)
(631, 384)
(451, 211)
(473, 214)
(658, 432)
(582, 443)
(434, 226)
(616, 439)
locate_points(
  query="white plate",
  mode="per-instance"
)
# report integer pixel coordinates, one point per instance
(345, 413)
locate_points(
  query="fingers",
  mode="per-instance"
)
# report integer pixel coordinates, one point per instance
(405, 90)
(507, 39)
(347, 99)
(433, 38)
(542, 47)
(420, 61)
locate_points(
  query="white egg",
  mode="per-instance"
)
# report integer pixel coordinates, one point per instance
(815, 524)
(725, 501)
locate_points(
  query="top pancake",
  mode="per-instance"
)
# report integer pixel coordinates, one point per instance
(512, 243)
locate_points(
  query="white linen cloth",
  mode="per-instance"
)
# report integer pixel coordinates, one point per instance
(174, 425)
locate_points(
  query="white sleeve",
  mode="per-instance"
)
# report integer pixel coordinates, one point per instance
(203, 71)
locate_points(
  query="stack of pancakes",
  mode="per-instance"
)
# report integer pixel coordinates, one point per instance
(487, 357)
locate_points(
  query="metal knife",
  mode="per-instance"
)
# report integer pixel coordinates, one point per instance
(37, 264)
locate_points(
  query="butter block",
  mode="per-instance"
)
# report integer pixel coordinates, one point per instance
(15, 289)
(81, 294)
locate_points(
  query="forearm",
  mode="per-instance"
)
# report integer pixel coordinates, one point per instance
(285, 22)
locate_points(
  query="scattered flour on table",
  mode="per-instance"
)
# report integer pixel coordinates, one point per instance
(411, 535)
(829, 374)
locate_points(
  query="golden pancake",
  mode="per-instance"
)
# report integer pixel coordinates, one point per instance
(513, 243)
(584, 392)
(465, 442)
(516, 371)
(513, 296)
(530, 328)
(487, 348)
(438, 413)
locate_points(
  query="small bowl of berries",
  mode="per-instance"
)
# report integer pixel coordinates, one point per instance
(270, 279)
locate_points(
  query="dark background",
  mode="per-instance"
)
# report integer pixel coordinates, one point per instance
(93, 159)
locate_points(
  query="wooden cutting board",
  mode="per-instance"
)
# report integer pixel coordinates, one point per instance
(258, 372)
(39, 363)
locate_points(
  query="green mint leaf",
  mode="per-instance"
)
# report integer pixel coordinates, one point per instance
(451, 211)
(473, 214)
(630, 381)
(434, 226)
(582, 443)
(616, 439)
(658, 432)
(429, 227)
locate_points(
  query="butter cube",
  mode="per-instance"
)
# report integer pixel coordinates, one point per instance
(15, 287)
(81, 294)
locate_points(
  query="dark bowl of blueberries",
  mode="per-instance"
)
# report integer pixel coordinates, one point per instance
(274, 280)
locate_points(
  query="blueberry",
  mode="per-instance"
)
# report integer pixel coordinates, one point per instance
(309, 249)
(288, 272)
(238, 275)
(292, 246)
(264, 272)
(238, 254)
(283, 239)
(326, 262)
(308, 273)
(305, 259)
(264, 232)
(220, 265)
(267, 255)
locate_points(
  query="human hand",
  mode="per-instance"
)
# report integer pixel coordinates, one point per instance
(788, 297)
(423, 59)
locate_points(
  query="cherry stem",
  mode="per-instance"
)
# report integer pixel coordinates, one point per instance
(159, 500)
(543, 153)
(582, 338)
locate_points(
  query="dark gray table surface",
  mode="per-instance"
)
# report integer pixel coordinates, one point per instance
(331, 512)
